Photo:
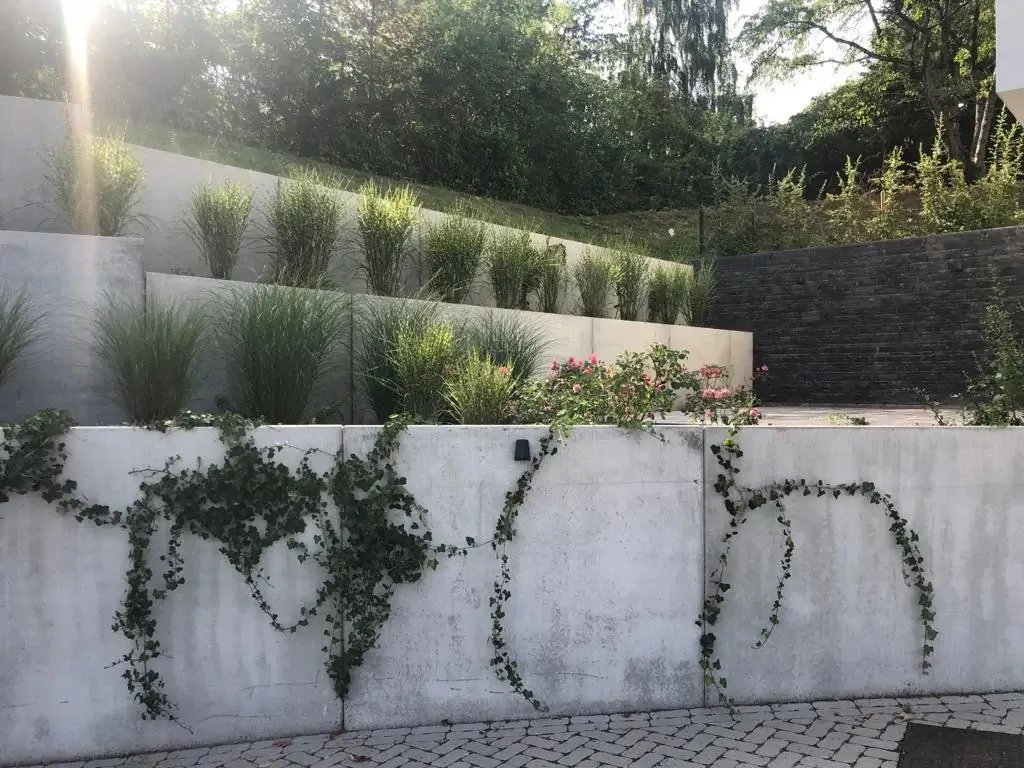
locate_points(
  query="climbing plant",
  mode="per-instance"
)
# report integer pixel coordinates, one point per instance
(247, 503)
(739, 501)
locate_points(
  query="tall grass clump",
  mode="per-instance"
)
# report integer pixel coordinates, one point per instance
(700, 293)
(631, 272)
(454, 251)
(279, 343)
(480, 391)
(423, 359)
(664, 302)
(97, 182)
(552, 279)
(216, 220)
(306, 225)
(151, 351)
(512, 341)
(514, 269)
(380, 325)
(594, 275)
(385, 220)
(19, 330)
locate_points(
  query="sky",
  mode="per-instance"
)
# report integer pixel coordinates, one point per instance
(778, 102)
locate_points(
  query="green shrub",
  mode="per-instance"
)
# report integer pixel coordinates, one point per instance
(552, 279)
(19, 330)
(594, 275)
(509, 340)
(699, 293)
(385, 223)
(423, 360)
(216, 221)
(150, 350)
(479, 391)
(380, 325)
(514, 268)
(455, 248)
(306, 226)
(631, 271)
(995, 397)
(97, 182)
(279, 343)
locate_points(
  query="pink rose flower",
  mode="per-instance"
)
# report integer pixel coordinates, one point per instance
(764, 368)
(593, 359)
(755, 413)
(503, 370)
(576, 389)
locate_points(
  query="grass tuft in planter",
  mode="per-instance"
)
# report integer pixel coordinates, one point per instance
(454, 251)
(97, 181)
(631, 271)
(279, 344)
(594, 275)
(19, 330)
(150, 350)
(386, 220)
(306, 225)
(216, 221)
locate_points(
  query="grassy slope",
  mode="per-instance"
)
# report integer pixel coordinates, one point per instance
(645, 231)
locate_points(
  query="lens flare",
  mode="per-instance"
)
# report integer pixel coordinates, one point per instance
(78, 18)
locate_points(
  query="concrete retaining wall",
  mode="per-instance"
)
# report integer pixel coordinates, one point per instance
(602, 616)
(29, 129)
(569, 335)
(65, 277)
(608, 574)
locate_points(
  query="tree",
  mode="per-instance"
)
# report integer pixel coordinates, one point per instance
(687, 43)
(942, 51)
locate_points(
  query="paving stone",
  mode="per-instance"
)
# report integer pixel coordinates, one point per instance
(833, 734)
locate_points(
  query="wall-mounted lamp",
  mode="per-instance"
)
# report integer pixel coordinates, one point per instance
(522, 452)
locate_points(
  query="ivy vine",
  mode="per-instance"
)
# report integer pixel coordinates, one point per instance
(505, 666)
(739, 501)
(247, 503)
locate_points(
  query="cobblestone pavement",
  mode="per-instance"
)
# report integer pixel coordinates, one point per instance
(833, 734)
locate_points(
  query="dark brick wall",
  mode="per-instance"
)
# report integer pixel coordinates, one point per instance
(869, 324)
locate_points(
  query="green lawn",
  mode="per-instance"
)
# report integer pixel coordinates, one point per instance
(647, 231)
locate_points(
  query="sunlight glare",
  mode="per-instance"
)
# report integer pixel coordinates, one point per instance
(78, 17)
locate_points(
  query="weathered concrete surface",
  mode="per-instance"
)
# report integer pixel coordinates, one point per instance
(228, 672)
(605, 579)
(849, 624)
(601, 616)
(66, 278)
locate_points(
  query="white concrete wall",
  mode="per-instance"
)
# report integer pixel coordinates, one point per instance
(230, 674)
(608, 577)
(849, 624)
(601, 616)
(29, 129)
(66, 277)
(1010, 55)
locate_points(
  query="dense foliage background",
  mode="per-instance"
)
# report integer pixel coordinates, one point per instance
(532, 101)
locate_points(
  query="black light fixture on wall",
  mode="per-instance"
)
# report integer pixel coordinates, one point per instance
(522, 452)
